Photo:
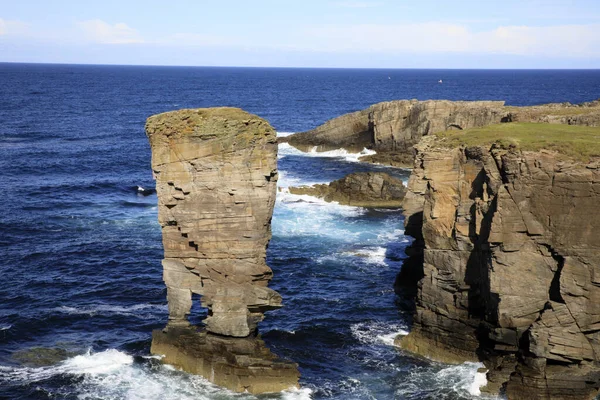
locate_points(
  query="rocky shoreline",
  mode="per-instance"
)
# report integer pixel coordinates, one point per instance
(510, 261)
(392, 128)
(505, 262)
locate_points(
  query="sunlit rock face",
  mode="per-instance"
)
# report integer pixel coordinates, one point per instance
(216, 178)
(511, 267)
(392, 128)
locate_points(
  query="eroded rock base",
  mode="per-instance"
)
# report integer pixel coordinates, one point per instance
(238, 364)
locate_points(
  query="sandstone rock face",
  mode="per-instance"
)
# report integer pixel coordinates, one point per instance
(242, 364)
(360, 189)
(587, 114)
(393, 127)
(511, 266)
(216, 177)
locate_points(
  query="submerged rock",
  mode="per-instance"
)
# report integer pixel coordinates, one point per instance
(511, 261)
(42, 356)
(360, 189)
(216, 178)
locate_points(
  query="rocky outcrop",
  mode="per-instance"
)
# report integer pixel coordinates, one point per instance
(241, 364)
(216, 177)
(392, 128)
(360, 189)
(511, 267)
(587, 114)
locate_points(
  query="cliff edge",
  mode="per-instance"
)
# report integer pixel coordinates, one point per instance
(505, 222)
(392, 128)
(216, 177)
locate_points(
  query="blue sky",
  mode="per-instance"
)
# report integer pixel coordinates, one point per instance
(307, 33)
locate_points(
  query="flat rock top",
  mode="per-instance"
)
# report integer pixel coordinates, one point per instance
(207, 123)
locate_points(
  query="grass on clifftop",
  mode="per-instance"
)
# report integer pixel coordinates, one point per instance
(578, 142)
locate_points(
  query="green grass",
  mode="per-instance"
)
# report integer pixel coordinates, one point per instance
(578, 142)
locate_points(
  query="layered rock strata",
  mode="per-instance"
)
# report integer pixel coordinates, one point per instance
(510, 267)
(392, 128)
(359, 189)
(216, 177)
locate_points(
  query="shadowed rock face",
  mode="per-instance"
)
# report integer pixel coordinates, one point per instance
(511, 267)
(216, 178)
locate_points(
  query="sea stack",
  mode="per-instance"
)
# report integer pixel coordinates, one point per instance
(216, 178)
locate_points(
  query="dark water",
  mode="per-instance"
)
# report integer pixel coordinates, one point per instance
(80, 249)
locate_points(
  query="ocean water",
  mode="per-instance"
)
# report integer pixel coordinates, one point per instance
(80, 247)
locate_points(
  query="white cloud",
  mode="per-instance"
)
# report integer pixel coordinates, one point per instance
(8, 27)
(357, 4)
(198, 39)
(102, 32)
(435, 37)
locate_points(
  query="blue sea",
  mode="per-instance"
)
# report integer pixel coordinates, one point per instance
(80, 246)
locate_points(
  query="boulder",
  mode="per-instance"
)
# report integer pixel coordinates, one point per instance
(360, 189)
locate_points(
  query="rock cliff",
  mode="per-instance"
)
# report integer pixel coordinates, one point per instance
(510, 266)
(359, 189)
(392, 128)
(216, 177)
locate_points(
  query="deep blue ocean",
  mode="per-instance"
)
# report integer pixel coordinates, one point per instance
(80, 247)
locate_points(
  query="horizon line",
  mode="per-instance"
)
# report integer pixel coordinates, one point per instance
(289, 67)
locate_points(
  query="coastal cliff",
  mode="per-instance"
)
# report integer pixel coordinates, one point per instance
(392, 128)
(508, 257)
(216, 178)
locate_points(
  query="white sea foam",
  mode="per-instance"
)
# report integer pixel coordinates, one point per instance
(113, 375)
(286, 180)
(136, 310)
(284, 134)
(297, 394)
(97, 363)
(391, 235)
(302, 215)
(373, 255)
(287, 149)
(305, 215)
(377, 332)
(463, 378)
(5, 327)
